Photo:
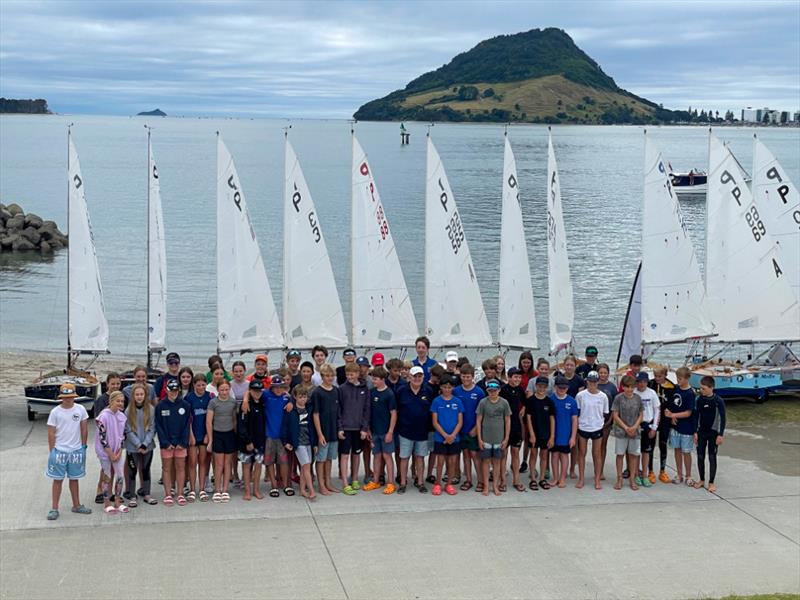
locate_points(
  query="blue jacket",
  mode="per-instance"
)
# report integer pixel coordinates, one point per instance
(173, 420)
(290, 428)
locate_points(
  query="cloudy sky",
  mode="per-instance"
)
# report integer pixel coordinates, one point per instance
(324, 59)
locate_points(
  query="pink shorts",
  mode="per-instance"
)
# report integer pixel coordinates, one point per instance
(177, 452)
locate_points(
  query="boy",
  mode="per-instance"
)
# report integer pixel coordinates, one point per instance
(67, 432)
(489, 368)
(395, 379)
(593, 412)
(710, 429)
(627, 413)
(448, 418)
(515, 396)
(651, 414)
(293, 366)
(363, 373)
(635, 363)
(566, 430)
(325, 402)
(451, 367)
(470, 396)
(320, 355)
(277, 403)
(297, 435)
(260, 371)
(422, 345)
(664, 388)
(353, 427)
(349, 356)
(383, 419)
(435, 375)
(679, 410)
(493, 428)
(590, 364)
(413, 416)
(251, 429)
(541, 422)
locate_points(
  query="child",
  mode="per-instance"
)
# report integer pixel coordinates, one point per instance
(67, 432)
(173, 368)
(489, 368)
(710, 419)
(320, 355)
(260, 370)
(494, 427)
(383, 419)
(349, 356)
(470, 395)
(221, 431)
(665, 389)
(173, 422)
(515, 396)
(566, 430)
(108, 444)
(325, 402)
(113, 384)
(293, 358)
(422, 345)
(435, 375)
(541, 421)
(592, 414)
(679, 411)
(140, 433)
(218, 375)
(610, 390)
(186, 379)
(575, 384)
(298, 436)
(198, 400)
(251, 429)
(277, 403)
(352, 426)
(627, 412)
(650, 416)
(395, 378)
(448, 418)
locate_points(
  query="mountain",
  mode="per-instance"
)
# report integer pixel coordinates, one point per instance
(537, 76)
(152, 113)
(28, 106)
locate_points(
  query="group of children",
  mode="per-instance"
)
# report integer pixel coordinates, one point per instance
(306, 415)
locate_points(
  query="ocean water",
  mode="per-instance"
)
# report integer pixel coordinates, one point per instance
(601, 178)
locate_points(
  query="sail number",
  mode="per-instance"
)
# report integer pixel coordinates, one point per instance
(297, 198)
(237, 195)
(380, 216)
(755, 223)
(551, 230)
(455, 232)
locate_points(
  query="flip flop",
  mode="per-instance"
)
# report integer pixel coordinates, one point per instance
(544, 484)
(465, 486)
(479, 487)
(289, 491)
(110, 510)
(533, 485)
(502, 487)
(519, 487)
(123, 509)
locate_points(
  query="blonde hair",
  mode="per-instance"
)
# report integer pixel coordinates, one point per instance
(132, 406)
(327, 369)
(683, 372)
(114, 395)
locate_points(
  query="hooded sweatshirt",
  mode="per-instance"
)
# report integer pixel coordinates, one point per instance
(353, 407)
(172, 423)
(141, 435)
(110, 432)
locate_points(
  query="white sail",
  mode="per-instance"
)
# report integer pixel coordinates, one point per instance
(156, 261)
(516, 321)
(631, 341)
(562, 311)
(246, 315)
(454, 313)
(674, 305)
(382, 315)
(88, 328)
(746, 281)
(778, 201)
(312, 311)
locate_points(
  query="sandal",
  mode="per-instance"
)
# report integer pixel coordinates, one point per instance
(289, 491)
(203, 496)
(519, 487)
(191, 497)
(456, 480)
(52, 515)
(168, 501)
(430, 479)
(181, 500)
(110, 510)
(401, 489)
(423, 489)
(274, 493)
(225, 497)
(81, 510)
(123, 509)
(389, 489)
(465, 486)
(502, 487)
(479, 487)
(544, 484)
(349, 491)
(691, 482)
(216, 498)
(437, 490)
(533, 485)
(676, 480)
(151, 501)
(132, 503)
(98, 499)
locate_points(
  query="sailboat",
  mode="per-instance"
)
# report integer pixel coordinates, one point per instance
(516, 319)
(382, 315)
(86, 319)
(246, 316)
(312, 311)
(454, 312)
(630, 342)
(562, 312)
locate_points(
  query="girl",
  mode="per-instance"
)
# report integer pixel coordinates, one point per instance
(221, 429)
(306, 372)
(525, 365)
(198, 400)
(251, 428)
(140, 432)
(185, 377)
(113, 384)
(108, 445)
(217, 377)
(239, 385)
(594, 412)
(501, 368)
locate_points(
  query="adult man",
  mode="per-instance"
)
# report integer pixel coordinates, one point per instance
(591, 362)
(413, 416)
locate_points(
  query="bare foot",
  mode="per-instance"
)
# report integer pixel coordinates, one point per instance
(634, 487)
(602, 477)
(699, 484)
(333, 488)
(597, 485)
(618, 484)
(485, 491)
(497, 491)
(324, 491)
(580, 484)
(572, 476)
(562, 484)
(258, 495)
(247, 497)
(712, 488)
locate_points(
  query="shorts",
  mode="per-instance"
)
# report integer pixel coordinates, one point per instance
(541, 440)
(327, 452)
(379, 445)
(224, 442)
(446, 449)
(491, 451)
(591, 435)
(274, 452)
(431, 441)
(626, 445)
(66, 465)
(415, 447)
(176, 452)
(561, 449)
(351, 444)
(469, 442)
(515, 439)
(303, 454)
(648, 443)
(681, 441)
(256, 457)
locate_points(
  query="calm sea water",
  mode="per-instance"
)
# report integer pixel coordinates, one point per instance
(601, 178)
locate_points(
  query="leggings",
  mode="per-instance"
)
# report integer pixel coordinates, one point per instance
(663, 437)
(112, 477)
(707, 438)
(138, 462)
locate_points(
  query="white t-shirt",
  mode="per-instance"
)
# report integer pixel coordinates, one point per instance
(592, 407)
(650, 405)
(67, 422)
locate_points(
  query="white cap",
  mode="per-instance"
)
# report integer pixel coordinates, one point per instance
(416, 370)
(451, 356)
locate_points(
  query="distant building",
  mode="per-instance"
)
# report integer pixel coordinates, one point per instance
(768, 115)
(796, 117)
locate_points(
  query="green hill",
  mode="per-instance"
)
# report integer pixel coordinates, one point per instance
(537, 76)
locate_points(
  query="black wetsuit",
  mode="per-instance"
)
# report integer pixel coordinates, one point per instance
(663, 392)
(709, 415)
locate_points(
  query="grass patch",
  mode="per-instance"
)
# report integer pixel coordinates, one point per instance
(775, 410)
(762, 597)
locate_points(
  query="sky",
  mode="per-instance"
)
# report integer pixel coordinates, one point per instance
(314, 59)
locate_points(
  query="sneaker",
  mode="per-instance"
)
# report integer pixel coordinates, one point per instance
(523, 468)
(646, 482)
(371, 486)
(651, 478)
(664, 478)
(638, 480)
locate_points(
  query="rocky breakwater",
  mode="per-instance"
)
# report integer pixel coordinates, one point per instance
(20, 232)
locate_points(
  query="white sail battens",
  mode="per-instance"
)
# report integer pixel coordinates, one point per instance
(382, 315)
(562, 311)
(157, 261)
(312, 311)
(778, 200)
(516, 320)
(454, 312)
(673, 295)
(88, 327)
(246, 315)
(746, 281)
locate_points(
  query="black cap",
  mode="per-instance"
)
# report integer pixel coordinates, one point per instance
(542, 380)
(561, 381)
(642, 376)
(591, 351)
(173, 357)
(362, 361)
(447, 380)
(514, 371)
(256, 384)
(593, 376)
(349, 352)
(277, 381)
(173, 385)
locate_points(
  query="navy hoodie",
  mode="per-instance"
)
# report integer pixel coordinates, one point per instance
(173, 420)
(290, 428)
(252, 427)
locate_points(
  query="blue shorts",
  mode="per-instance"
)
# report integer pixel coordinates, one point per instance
(681, 441)
(70, 465)
(409, 447)
(327, 452)
(379, 446)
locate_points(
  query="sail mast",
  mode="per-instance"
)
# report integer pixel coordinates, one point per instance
(69, 184)
(352, 244)
(149, 242)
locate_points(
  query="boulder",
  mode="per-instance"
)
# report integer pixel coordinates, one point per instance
(33, 220)
(22, 245)
(15, 209)
(16, 222)
(55, 243)
(45, 247)
(31, 234)
(49, 225)
(7, 241)
(5, 215)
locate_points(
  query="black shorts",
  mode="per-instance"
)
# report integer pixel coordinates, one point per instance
(446, 449)
(515, 439)
(224, 442)
(351, 444)
(561, 449)
(542, 437)
(648, 444)
(591, 435)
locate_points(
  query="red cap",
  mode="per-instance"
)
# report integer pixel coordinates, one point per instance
(262, 357)
(378, 359)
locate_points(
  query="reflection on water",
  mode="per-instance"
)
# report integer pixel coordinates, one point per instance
(16, 266)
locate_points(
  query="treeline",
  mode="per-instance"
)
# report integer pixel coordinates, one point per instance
(28, 107)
